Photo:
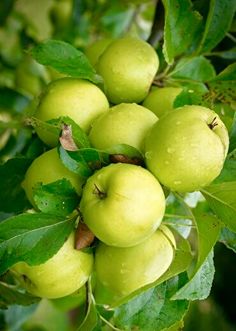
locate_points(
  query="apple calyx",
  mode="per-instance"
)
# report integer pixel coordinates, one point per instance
(101, 195)
(213, 124)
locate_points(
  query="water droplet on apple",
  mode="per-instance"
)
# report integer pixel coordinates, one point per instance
(177, 182)
(148, 155)
(170, 150)
(167, 162)
(178, 123)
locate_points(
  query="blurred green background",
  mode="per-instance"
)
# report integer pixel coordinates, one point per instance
(24, 23)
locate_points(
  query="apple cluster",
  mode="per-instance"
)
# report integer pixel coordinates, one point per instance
(123, 204)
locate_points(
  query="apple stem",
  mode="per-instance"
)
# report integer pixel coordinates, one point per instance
(101, 195)
(213, 124)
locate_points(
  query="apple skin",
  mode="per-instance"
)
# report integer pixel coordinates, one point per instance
(183, 152)
(128, 67)
(79, 99)
(63, 274)
(48, 168)
(124, 270)
(125, 123)
(160, 100)
(122, 204)
(95, 50)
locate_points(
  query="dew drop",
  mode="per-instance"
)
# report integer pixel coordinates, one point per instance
(177, 182)
(170, 150)
(148, 155)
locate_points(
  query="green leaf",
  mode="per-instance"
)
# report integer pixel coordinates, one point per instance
(10, 296)
(58, 198)
(195, 68)
(153, 309)
(223, 86)
(228, 238)
(12, 195)
(182, 27)
(91, 319)
(199, 287)
(178, 216)
(232, 137)
(12, 100)
(228, 173)
(218, 22)
(86, 160)
(192, 94)
(66, 59)
(75, 162)
(29, 237)
(208, 230)
(222, 200)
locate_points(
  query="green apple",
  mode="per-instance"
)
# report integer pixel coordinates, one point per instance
(76, 98)
(63, 274)
(96, 49)
(48, 168)
(124, 270)
(125, 123)
(186, 148)
(160, 100)
(122, 204)
(61, 13)
(128, 66)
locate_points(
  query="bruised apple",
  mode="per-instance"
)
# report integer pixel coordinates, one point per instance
(63, 274)
(122, 204)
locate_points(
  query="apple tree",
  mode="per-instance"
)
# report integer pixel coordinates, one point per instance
(117, 161)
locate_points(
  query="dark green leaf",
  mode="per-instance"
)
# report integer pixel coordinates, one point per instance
(153, 309)
(192, 94)
(195, 68)
(232, 137)
(86, 160)
(75, 162)
(230, 54)
(57, 198)
(55, 127)
(199, 287)
(223, 86)
(65, 58)
(222, 200)
(12, 196)
(10, 296)
(228, 173)
(228, 238)
(182, 27)
(218, 22)
(29, 237)
(12, 100)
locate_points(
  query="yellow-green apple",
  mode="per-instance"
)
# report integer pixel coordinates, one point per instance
(160, 100)
(79, 99)
(96, 49)
(186, 148)
(48, 168)
(124, 270)
(122, 204)
(125, 123)
(63, 274)
(128, 67)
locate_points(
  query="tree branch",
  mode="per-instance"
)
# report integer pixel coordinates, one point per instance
(158, 24)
